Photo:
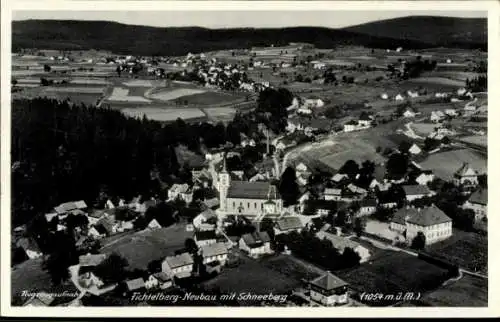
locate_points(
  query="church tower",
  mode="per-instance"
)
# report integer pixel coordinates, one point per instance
(224, 182)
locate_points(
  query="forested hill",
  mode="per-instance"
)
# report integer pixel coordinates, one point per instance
(143, 40)
(447, 31)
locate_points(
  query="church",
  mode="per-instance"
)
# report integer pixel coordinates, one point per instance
(247, 198)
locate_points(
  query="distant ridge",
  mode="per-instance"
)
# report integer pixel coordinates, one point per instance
(408, 32)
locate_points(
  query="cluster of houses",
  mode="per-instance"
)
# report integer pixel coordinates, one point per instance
(363, 122)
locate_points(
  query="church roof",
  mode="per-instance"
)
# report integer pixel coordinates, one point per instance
(251, 190)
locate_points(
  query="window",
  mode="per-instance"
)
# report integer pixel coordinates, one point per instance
(254, 205)
(248, 205)
(234, 204)
(261, 206)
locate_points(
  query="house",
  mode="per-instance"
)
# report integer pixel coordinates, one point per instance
(181, 191)
(212, 203)
(87, 279)
(431, 221)
(384, 96)
(135, 285)
(416, 191)
(399, 97)
(179, 266)
(412, 94)
(341, 243)
(328, 290)
(339, 177)
(255, 244)
(355, 189)
(415, 149)
(30, 247)
(200, 221)
(368, 206)
(286, 225)
(67, 207)
(158, 280)
(409, 113)
(465, 176)
(153, 224)
(350, 126)
(97, 232)
(365, 120)
(105, 226)
(95, 216)
(451, 112)
(437, 116)
(425, 177)
(40, 299)
(332, 194)
(205, 237)
(214, 252)
(478, 202)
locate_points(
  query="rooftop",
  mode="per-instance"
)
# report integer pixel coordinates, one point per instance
(479, 197)
(425, 217)
(249, 190)
(465, 170)
(328, 282)
(135, 284)
(256, 239)
(179, 260)
(205, 235)
(338, 242)
(289, 223)
(91, 259)
(411, 190)
(214, 250)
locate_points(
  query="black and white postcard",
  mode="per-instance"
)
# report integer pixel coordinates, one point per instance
(247, 158)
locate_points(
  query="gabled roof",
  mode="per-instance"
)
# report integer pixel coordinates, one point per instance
(425, 217)
(332, 192)
(328, 282)
(179, 260)
(68, 206)
(465, 170)
(480, 197)
(162, 277)
(250, 190)
(135, 284)
(256, 239)
(214, 250)
(339, 177)
(338, 242)
(416, 189)
(289, 223)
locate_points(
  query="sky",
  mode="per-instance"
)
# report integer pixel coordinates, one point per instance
(231, 19)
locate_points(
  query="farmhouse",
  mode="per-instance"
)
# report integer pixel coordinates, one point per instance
(248, 198)
(465, 176)
(179, 266)
(255, 244)
(68, 207)
(365, 120)
(161, 280)
(478, 202)
(206, 237)
(153, 224)
(413, 192)
(341, 243)
(431, 221)
(135, 284)
(451, 112)
(288, 224)
(328, 290)
(200, 222)
(409, 113)
(350, 126)
(339, 177)
(399, 97)
(214, 252)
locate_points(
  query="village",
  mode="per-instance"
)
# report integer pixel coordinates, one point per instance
(388, 189)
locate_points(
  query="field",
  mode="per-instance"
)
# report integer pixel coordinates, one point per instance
(122, 95)
(439, 81)
(29, 276)
(248, 277)
(468, 291)
(143, 247)
(423, 129)
(393, 273)
(89, 81)
(172, 94)
(468, 250)
(163, 114)
(212, 98)
(460, 76)
(75, 90)
(138, 83)
(220, 113)
(292, 267)
(444, 164)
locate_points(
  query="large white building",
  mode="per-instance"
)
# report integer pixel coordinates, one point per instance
(431, 221)
(247, 198)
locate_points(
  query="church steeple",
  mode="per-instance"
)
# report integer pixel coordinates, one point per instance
(224, 164)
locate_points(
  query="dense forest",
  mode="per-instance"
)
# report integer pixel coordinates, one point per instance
(62, 152)
(150, 41)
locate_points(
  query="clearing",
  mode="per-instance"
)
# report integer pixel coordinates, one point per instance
(172, 94)
(444, 164)
(468, 291)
